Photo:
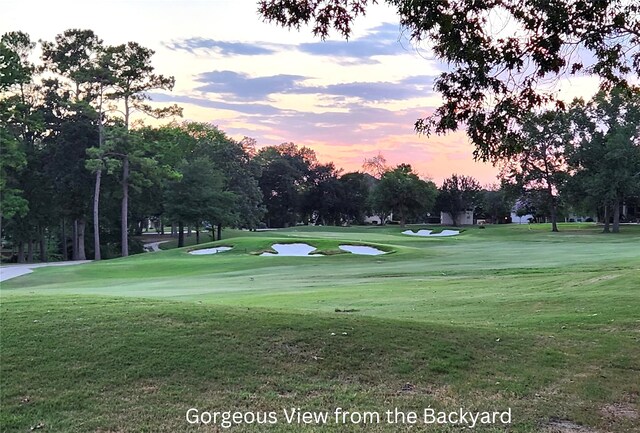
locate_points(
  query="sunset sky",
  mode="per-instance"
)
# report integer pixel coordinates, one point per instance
(346, 100)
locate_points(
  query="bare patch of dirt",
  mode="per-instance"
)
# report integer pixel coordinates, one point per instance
(620, 410)
(566, 426)
(149, 389)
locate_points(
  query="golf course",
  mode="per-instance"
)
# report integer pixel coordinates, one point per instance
(513, 317)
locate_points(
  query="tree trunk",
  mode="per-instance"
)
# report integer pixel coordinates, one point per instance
(606, 220)
(180, 234)
(81, 252)
(197, 234)
(174, 230)
(96, 217)
(21, 252)
(554, 218)
(219, 231)
(124, 215)
(43, 246)
(454, 218)
(30, 251)
(616, 216)
(161, 226)
(189, 231)
(97, 255)
(65, 253)
(74, 241)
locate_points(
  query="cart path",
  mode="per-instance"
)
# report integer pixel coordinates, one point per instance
(8, 272)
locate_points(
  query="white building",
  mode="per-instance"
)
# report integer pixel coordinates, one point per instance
(375, 219)
(524, 219)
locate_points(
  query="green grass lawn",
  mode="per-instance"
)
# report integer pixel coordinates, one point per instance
(547, 324)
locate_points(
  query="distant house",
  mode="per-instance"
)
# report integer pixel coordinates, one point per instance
(575, 218)
(463, 218)
(375, 219)
(520, 204)
(524, 219)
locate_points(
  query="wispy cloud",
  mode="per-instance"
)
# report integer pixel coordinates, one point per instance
(226, 48)
(243, 108)
(241, 86)
(383, 40)
(408, 88)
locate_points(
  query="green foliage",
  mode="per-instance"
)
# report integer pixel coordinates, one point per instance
(495, 204)
(131, 75)
(15, 67)
(199, 194)
(356, 190)
(402, 192)
(75, 54)
(458, 193)
(605, 154)
(540, 167)
(12, 161)
(285, 170)
(323, 196)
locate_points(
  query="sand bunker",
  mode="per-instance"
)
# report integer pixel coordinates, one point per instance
(418, 233)
(297, 250)
(209, 251)
(359, 249)
(429, 233)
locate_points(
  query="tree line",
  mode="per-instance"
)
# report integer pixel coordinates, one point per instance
(80, 178)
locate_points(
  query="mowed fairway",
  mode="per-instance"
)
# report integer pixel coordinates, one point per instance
(506, 317)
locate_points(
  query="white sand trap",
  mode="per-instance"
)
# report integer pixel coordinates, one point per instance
(418, 233)
(359, 249)
(429, 233)
(209, 251)
(292, 250)
(447, 233)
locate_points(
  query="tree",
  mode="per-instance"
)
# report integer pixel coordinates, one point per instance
(12, 161)
(198, 196)
(284, 180)
(176, 144)
(458, 194)
(244, 184)
(496, 204)
(401, 191)
(131, 75)
(605, 155)
(376, 166)
(15, 71)
(75, 56)
(73, 131)
(323, 196)
(496, 74)
(22, 119)
(540, 164)
(356, 188)
(234, 160)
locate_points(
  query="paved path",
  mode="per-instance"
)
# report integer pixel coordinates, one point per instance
(8, 272)
(153, 246)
